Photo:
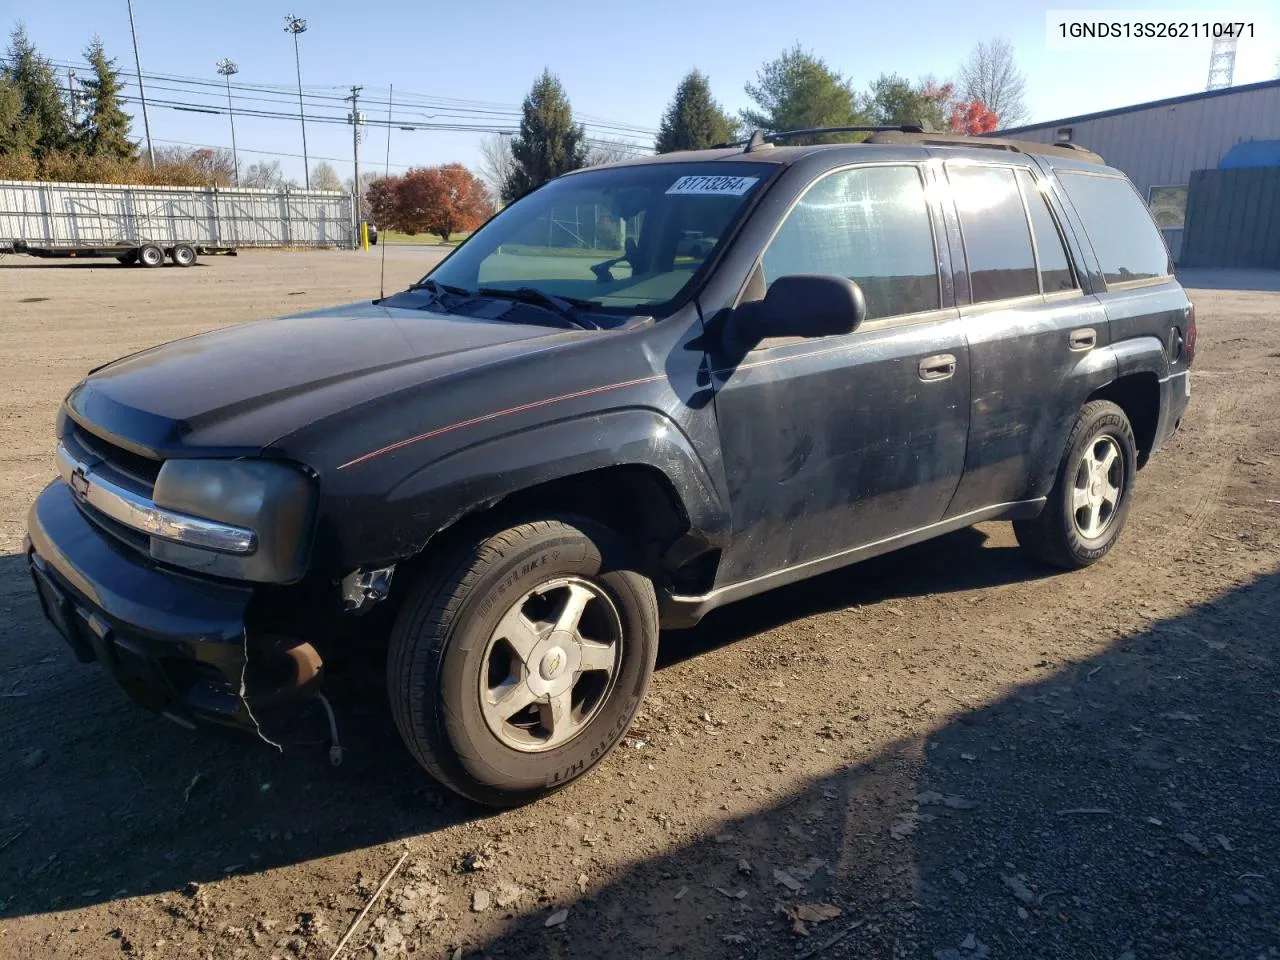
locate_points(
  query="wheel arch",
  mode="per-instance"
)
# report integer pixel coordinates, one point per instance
(632, 470)
(1137, 393)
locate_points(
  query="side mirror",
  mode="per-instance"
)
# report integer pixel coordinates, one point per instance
(805, 305)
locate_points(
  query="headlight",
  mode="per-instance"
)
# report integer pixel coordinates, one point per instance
(273, 501)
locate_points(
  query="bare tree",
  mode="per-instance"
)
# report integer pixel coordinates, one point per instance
(324, 177)
(264, 175)
(209, 164)
(366, 178)
(610, 151)
(495, 163)
(991, 75)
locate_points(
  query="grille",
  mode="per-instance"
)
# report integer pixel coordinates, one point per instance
(89, 446)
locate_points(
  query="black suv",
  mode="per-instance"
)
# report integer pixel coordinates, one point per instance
(641, 392)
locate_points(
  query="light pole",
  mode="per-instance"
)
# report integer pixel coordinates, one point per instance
(142, 91)
(297, 25)
(228, 69)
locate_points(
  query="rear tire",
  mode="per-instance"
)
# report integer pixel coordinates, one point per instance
(1089, 503)
(184, 255)
(488, 630)
(150, 255)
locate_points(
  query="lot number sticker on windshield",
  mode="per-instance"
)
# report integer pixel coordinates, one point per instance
(713, 186)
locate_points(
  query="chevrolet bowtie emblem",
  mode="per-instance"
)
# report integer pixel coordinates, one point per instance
(79, 482)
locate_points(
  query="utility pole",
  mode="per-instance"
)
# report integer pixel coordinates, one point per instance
(356, 119)
(71, 96)
(142, 91)
(297, 25)
(227, 68)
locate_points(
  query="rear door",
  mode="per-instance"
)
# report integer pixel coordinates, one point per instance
(1031, 329)
(833, 443)
(1138, 289)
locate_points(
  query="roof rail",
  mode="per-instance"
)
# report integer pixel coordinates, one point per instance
(760, 140)
(1065, 149)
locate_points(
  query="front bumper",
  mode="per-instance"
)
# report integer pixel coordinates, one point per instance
(175, 643)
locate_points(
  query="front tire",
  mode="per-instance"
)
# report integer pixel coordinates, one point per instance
(517, 665)
(1089, 503)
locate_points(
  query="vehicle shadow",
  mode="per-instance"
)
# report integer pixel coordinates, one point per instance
(106, 800)
(958, 561)
(1128, 806)
(21, 262)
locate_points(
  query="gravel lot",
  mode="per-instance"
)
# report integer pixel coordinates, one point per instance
(944, 753)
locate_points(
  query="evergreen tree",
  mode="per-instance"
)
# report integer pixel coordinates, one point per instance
(693, 120)
(44, 111)
(105, 129)
(16, 135)
(893, 101)
(798, 91)
(549, 142)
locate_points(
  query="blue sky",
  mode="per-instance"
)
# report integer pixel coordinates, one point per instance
(620, 62)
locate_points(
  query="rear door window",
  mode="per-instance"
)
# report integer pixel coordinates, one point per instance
(1055, 266)
(997, 239)
(1119, 226)
(870, 224)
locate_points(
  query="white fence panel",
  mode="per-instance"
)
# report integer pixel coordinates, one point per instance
(72, 214)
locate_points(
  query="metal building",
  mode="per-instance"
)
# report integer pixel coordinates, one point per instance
(1159, 143)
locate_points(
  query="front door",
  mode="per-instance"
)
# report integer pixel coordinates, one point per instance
(834, 443)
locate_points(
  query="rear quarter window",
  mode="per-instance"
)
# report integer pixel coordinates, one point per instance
(1119, 226)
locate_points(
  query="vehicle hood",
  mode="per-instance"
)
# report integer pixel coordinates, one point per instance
(235, 391)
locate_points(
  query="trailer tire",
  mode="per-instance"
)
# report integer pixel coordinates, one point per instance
(184, 255)
(128, 259)
(149, 255)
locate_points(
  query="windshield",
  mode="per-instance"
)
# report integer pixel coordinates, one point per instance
(616, 239)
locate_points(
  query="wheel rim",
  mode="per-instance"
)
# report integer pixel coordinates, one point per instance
(185, 255)
(1098, 487)
(550, 664)
(150, 256)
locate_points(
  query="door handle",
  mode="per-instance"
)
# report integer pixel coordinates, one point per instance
(1086, 338)
(941, 366)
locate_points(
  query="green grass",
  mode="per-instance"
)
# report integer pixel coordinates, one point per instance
(528, 250)
(395, 236)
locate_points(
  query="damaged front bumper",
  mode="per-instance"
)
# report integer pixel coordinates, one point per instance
(177, 644)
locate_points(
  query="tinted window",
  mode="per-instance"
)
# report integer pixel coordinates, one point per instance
(870, 224)
(619, 237)
(997, 241)
(1055, 268)
(1119, 227)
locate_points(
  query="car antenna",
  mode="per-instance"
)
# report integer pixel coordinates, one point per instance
(382, 276)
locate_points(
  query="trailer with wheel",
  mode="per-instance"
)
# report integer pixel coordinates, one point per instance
(149, 225)
(146, 254)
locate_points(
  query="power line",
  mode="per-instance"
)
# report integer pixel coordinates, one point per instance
(267, 153)
(280, 93)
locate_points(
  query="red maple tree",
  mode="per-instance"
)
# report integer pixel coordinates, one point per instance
(972, 117)
(380, 198)
(441, 200)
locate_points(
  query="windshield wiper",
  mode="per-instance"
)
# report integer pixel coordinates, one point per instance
(437, 287)
(566, 308)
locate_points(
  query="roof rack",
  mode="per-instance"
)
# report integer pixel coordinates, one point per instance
(760, 140)
(1064, 149)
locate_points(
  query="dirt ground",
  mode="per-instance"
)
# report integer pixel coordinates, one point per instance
(945, 753)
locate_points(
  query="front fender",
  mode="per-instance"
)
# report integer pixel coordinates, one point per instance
(469, 478)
